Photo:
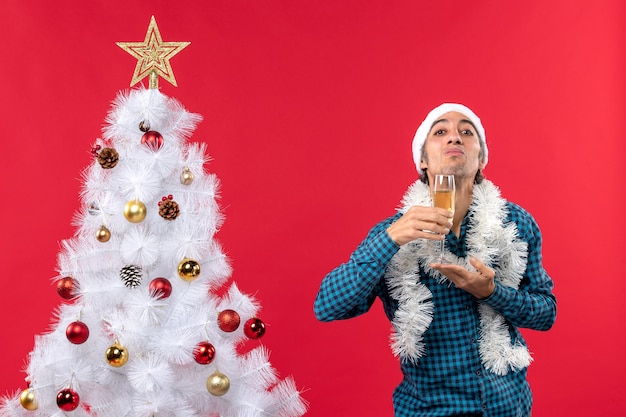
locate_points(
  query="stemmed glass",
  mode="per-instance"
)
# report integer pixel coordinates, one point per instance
(443, 197)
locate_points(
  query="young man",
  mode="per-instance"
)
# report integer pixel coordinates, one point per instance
(455, 323)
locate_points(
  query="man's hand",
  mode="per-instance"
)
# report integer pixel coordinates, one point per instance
(480, 284)
(421, 222)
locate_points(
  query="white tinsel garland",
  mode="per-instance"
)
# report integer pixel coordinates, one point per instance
(488, 240)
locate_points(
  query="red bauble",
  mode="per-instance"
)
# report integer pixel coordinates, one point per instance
(228, 320)
(68, 399)
(66, 287)
(204, 353)
(254, 328)
(152, 139)
(160, 288)
(77, 332)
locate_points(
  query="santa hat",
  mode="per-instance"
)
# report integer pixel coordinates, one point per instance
(433, 116)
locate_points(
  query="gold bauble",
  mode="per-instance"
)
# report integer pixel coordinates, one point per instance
(187, 176)
(116, 355)
(28, 400)
(218, 384)
(135, 211)
(103, 234)
(188, 269)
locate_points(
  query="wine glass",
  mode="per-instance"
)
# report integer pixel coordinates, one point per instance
(443, 197)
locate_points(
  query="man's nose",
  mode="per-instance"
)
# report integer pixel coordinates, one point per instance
(455, 137)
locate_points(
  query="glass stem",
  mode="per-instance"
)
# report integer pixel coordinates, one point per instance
(442, 249)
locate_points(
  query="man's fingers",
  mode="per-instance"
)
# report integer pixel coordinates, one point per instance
(481, 267)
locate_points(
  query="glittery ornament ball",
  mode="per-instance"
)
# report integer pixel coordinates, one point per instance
(204, 353)
(218, 384)
(254, 328)
(68, 399)
(160, 288)
(228, 320)
(77, 332)
(28, 400)
(66, 288)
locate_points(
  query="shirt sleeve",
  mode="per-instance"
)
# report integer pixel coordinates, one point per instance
(533, 305)
(349, 289)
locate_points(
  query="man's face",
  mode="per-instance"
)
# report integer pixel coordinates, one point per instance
(452, 147)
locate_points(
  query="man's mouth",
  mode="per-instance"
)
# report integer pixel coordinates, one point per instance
(454, 152)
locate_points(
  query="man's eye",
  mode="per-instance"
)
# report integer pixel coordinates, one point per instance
(439, 132)
(467, 132)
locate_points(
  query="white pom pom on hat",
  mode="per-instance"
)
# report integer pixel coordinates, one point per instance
(431, 118)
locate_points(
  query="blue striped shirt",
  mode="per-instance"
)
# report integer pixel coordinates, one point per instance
(449, 379)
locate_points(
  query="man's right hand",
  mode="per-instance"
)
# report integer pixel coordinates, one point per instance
(421, 223)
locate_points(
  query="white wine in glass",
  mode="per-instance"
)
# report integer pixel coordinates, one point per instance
(443, 197)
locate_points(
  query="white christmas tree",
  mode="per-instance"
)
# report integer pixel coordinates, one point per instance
(148, 329)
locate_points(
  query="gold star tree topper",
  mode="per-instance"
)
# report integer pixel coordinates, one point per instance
(153, 56)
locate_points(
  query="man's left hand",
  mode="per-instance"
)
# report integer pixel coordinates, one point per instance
(480, 284)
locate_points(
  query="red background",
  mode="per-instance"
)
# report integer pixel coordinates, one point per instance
(310, 108)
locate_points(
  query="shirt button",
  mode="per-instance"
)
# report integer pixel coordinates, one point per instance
(478, 373)
(466, 306)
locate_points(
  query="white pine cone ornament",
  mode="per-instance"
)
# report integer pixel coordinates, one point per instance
(131, 276)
